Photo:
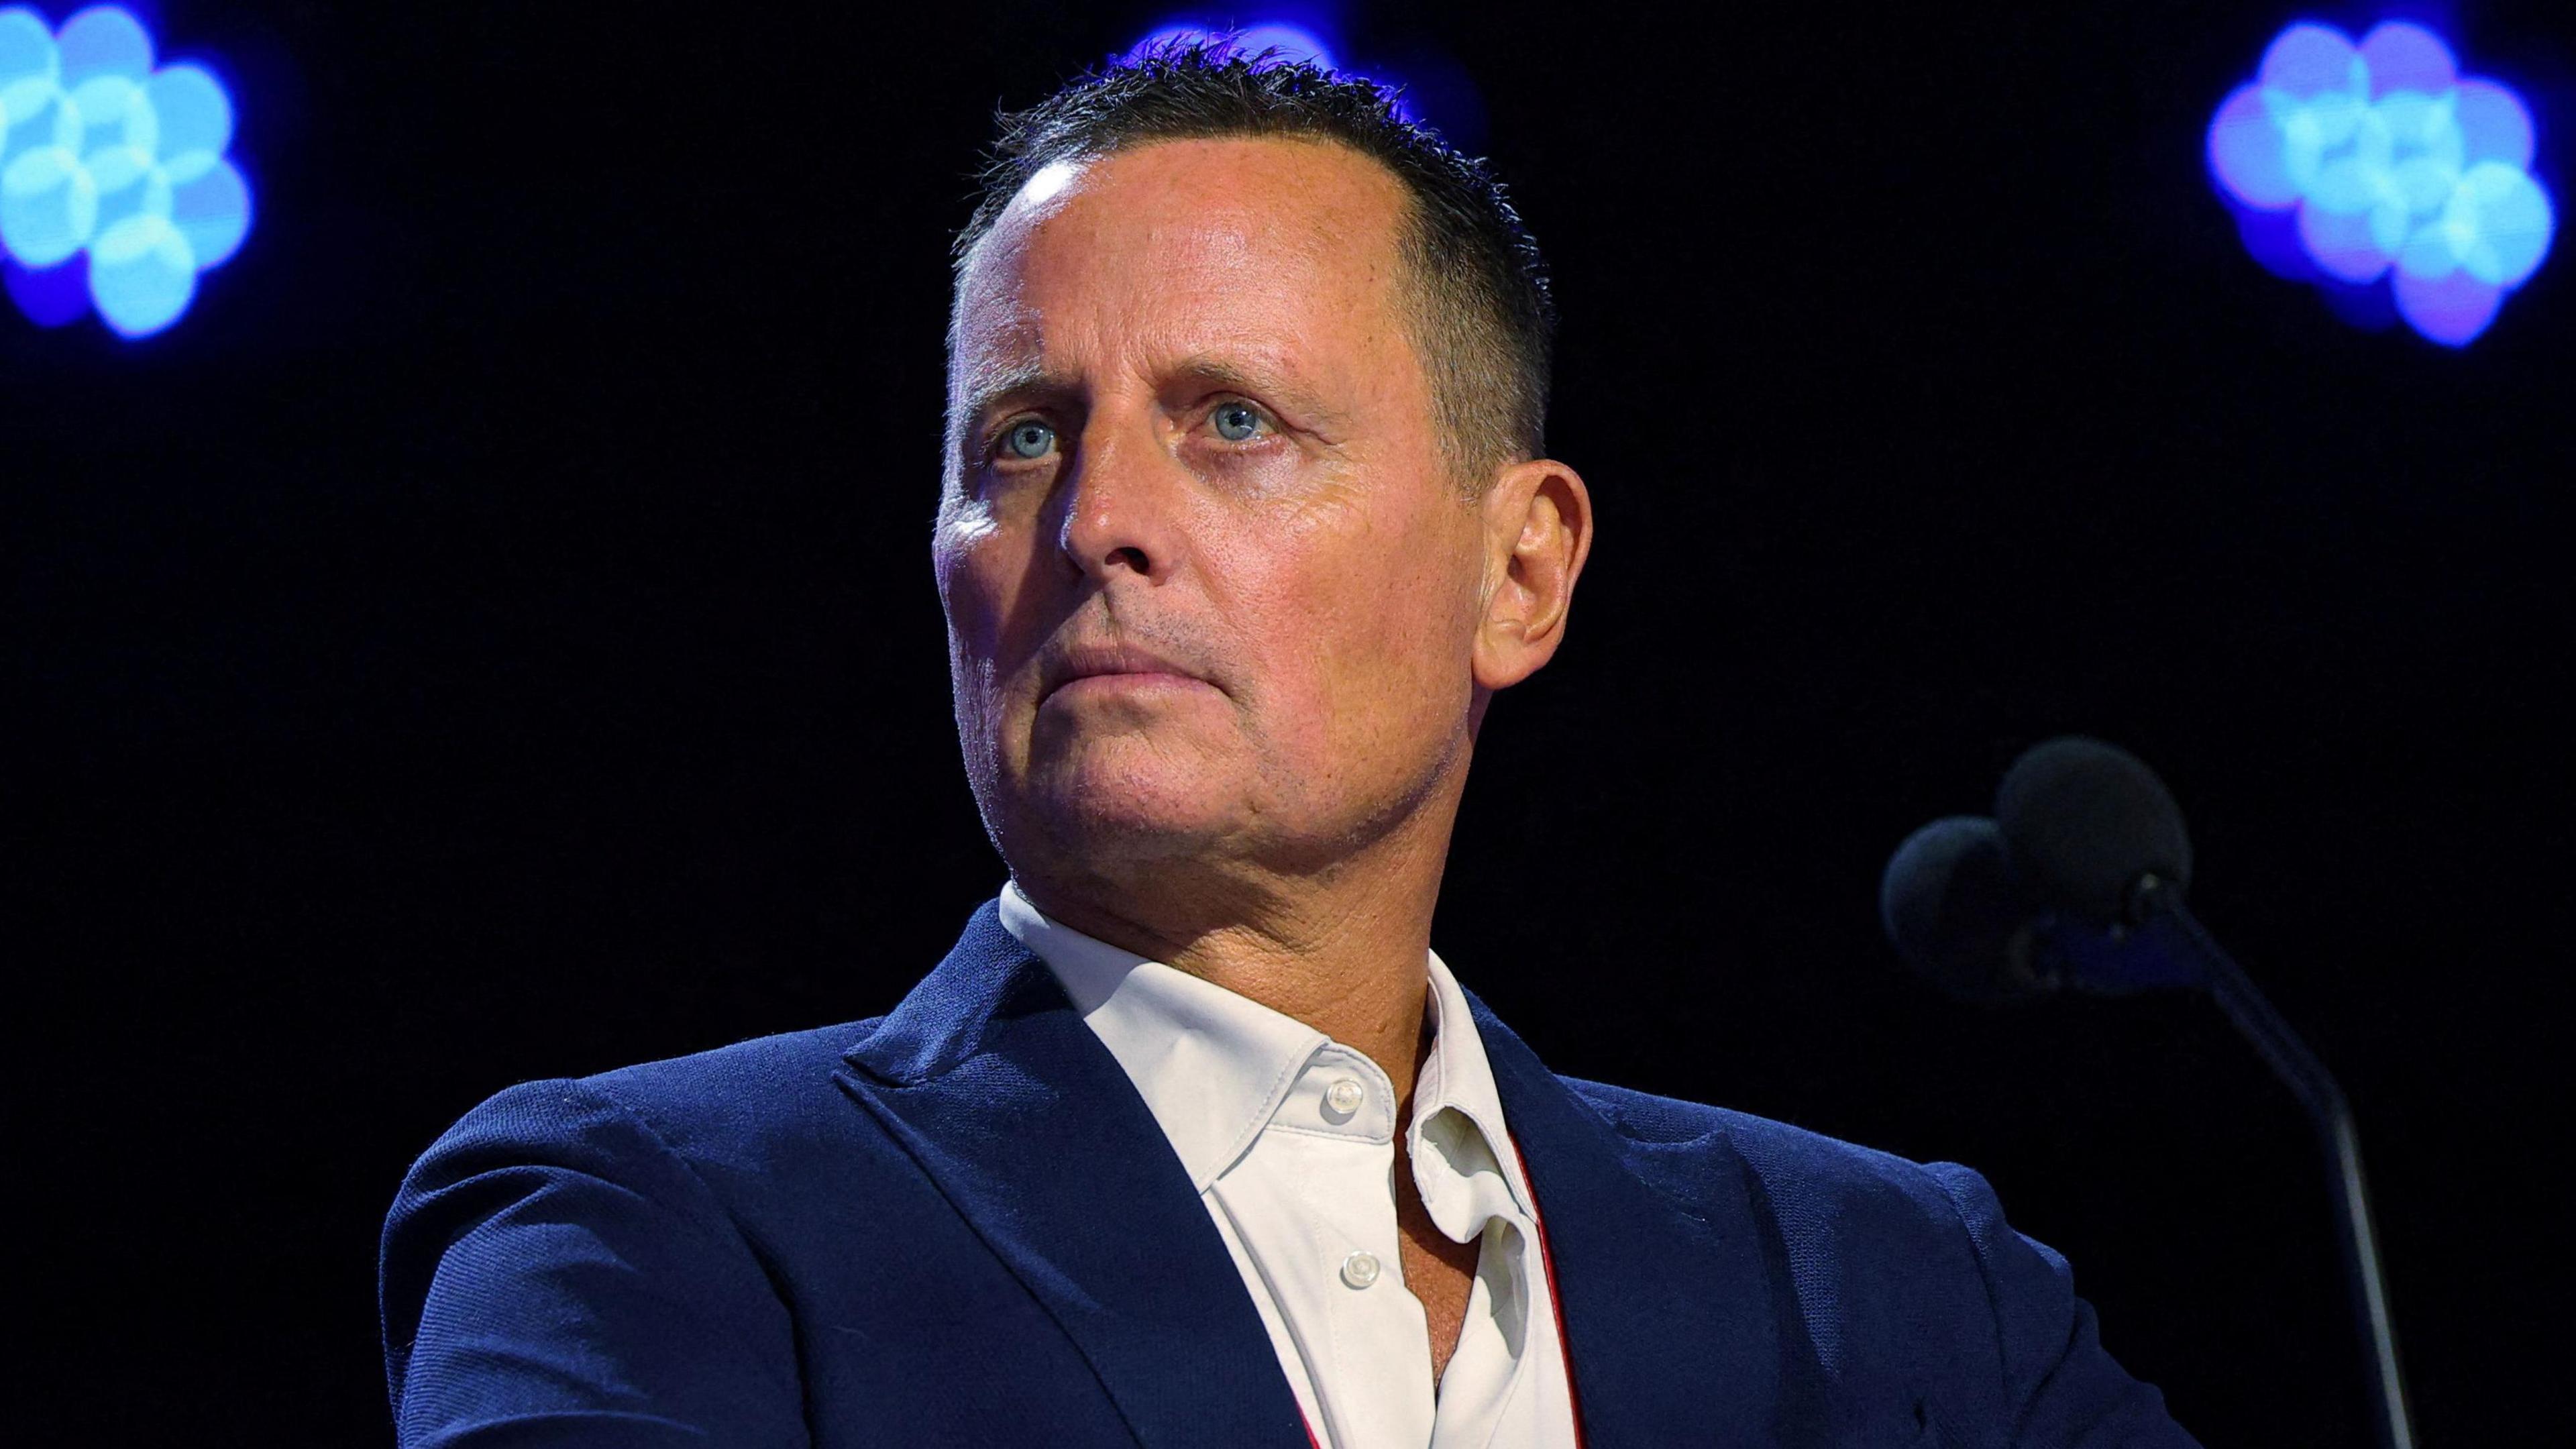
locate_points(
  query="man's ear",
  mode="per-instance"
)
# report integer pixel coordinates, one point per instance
(1538, 530)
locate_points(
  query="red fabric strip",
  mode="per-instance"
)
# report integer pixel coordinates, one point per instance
(1555, 1304)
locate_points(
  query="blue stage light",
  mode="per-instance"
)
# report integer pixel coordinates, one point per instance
(115, 189)
(2353, 162)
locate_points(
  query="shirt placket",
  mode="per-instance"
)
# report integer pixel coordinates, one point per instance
(1337, 1131)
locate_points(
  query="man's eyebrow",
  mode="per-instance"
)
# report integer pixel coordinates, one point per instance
(1014, 382)
(1030, 381)
(1223, 375)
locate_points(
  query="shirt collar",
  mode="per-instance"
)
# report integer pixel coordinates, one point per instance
(1211, 1065)
(1457, 1078)
(1214, 1066)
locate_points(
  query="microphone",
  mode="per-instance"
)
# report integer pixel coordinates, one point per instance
(1955, 910)
(1958, 908)
(2078, 881)
(2090, 822)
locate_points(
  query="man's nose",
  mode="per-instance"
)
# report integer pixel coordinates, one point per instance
(1122, 503)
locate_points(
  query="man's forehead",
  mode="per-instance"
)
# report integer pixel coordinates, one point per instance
(1184, 248)
(1227, 184)
(1182, 326)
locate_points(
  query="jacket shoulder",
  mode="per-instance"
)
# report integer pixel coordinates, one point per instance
(1896, 1264)
(760, 1069)
(1691, 1150)
(758, 1111)
(752, 1109)
(613, 1240)
(1851, 1229)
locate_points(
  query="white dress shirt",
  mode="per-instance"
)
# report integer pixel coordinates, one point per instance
(1289, 1138)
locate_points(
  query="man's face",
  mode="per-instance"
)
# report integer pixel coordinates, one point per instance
(1211, 590)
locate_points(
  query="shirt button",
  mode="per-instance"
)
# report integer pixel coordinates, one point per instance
(1360, 1269)
(1344, 1097)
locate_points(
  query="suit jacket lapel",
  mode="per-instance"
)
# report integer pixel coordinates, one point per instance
(1671, 1319)
(1026, 1123)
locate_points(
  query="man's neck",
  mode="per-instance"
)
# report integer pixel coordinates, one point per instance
(1347, 951)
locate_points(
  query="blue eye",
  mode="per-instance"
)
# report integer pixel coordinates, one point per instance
(1235, 421)
(1029, 438)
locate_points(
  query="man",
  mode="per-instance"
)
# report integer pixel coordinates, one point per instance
(1192, 1140)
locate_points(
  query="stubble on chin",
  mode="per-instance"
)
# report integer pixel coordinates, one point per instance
(1126, 807)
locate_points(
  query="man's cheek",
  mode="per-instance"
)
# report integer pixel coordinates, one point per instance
(981, 601)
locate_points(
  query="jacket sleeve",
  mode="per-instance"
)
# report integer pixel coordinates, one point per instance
(2067, 1391)
(554, 1274)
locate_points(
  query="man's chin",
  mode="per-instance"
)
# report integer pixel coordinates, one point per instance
(1133, 815)
(1134, 830)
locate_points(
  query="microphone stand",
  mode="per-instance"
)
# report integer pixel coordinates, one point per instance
(2158, 912)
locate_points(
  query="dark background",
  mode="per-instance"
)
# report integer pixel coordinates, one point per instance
(492, 637)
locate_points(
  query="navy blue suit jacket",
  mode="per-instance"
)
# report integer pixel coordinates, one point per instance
(958, 1224)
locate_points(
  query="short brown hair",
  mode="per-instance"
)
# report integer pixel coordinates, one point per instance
(1484, 319)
